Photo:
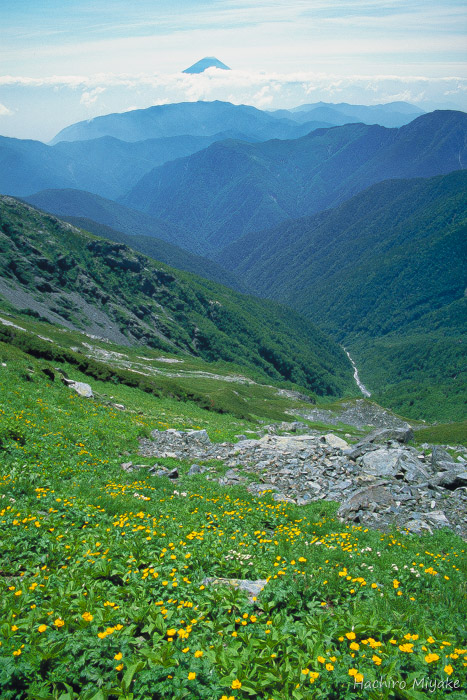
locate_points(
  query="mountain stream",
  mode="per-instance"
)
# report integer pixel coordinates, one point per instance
(361, 386)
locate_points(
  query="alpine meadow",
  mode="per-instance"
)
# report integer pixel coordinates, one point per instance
(233, 405)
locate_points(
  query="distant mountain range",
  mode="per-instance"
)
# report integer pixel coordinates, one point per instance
(232, 187)
(358, 226)
(391, 114)
(106, 166)
(194, 118)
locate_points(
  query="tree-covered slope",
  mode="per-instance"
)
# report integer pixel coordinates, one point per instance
(107, 289)
(385, 274)
(374, 264)
(232, 188)
(163, 251)
(78, 203)
(106, 166)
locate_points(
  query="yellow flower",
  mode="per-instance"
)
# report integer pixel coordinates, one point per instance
(118, 656)
(429, 658)
(14, 628)
(329, 667)
(185, 650)
(396, 583)
(305, 671)
(17, 652)
(376, 660)
(374, 644)
(171, 632)
(236, 684)
(42, 628)
(234, 634)
(321, 659)
(191, 676)
(408, 648)
(87, 616)
(353, 671)
(355, 646)
(18, 592)
(431, 640)
(448, 670)
(350, 635)
(198, 654)
(359, 678)
(119, 667)
(58, 622)
(313, 676)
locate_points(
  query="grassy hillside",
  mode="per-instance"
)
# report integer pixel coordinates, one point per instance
(107, 289)
(385, 274)
(103, 571)
(232, 187)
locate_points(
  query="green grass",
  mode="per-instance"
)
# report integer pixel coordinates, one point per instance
(102, 571)
(444, 434)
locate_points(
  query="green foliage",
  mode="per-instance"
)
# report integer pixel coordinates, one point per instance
(81, 278)
(234, 188)
(102, 571)
(384, 273)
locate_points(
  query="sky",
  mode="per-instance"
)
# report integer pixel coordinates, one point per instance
(63, 61)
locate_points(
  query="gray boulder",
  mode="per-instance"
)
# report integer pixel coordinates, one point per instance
(402, 435)
(451, 479)
(372, 497)
(81, 388)
(335, 441)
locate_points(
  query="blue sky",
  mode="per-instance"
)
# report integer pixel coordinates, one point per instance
(65, 61)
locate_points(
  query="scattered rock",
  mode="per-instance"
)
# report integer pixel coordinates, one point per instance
(451, 479)
(335, 441)
(252, 588)
(163, 471)
(370, 497)
(81, 388)
(382, 486)
(403, 435)
(196, 469)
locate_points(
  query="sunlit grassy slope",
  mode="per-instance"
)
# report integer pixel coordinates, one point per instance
(102, 570)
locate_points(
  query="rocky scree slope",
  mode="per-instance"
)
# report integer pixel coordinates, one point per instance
(380, 481)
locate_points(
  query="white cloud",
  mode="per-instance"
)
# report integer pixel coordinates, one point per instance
(5, 112)
(89, 97)
(63, 100)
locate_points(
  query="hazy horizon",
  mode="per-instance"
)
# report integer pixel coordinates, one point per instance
(65, 64)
